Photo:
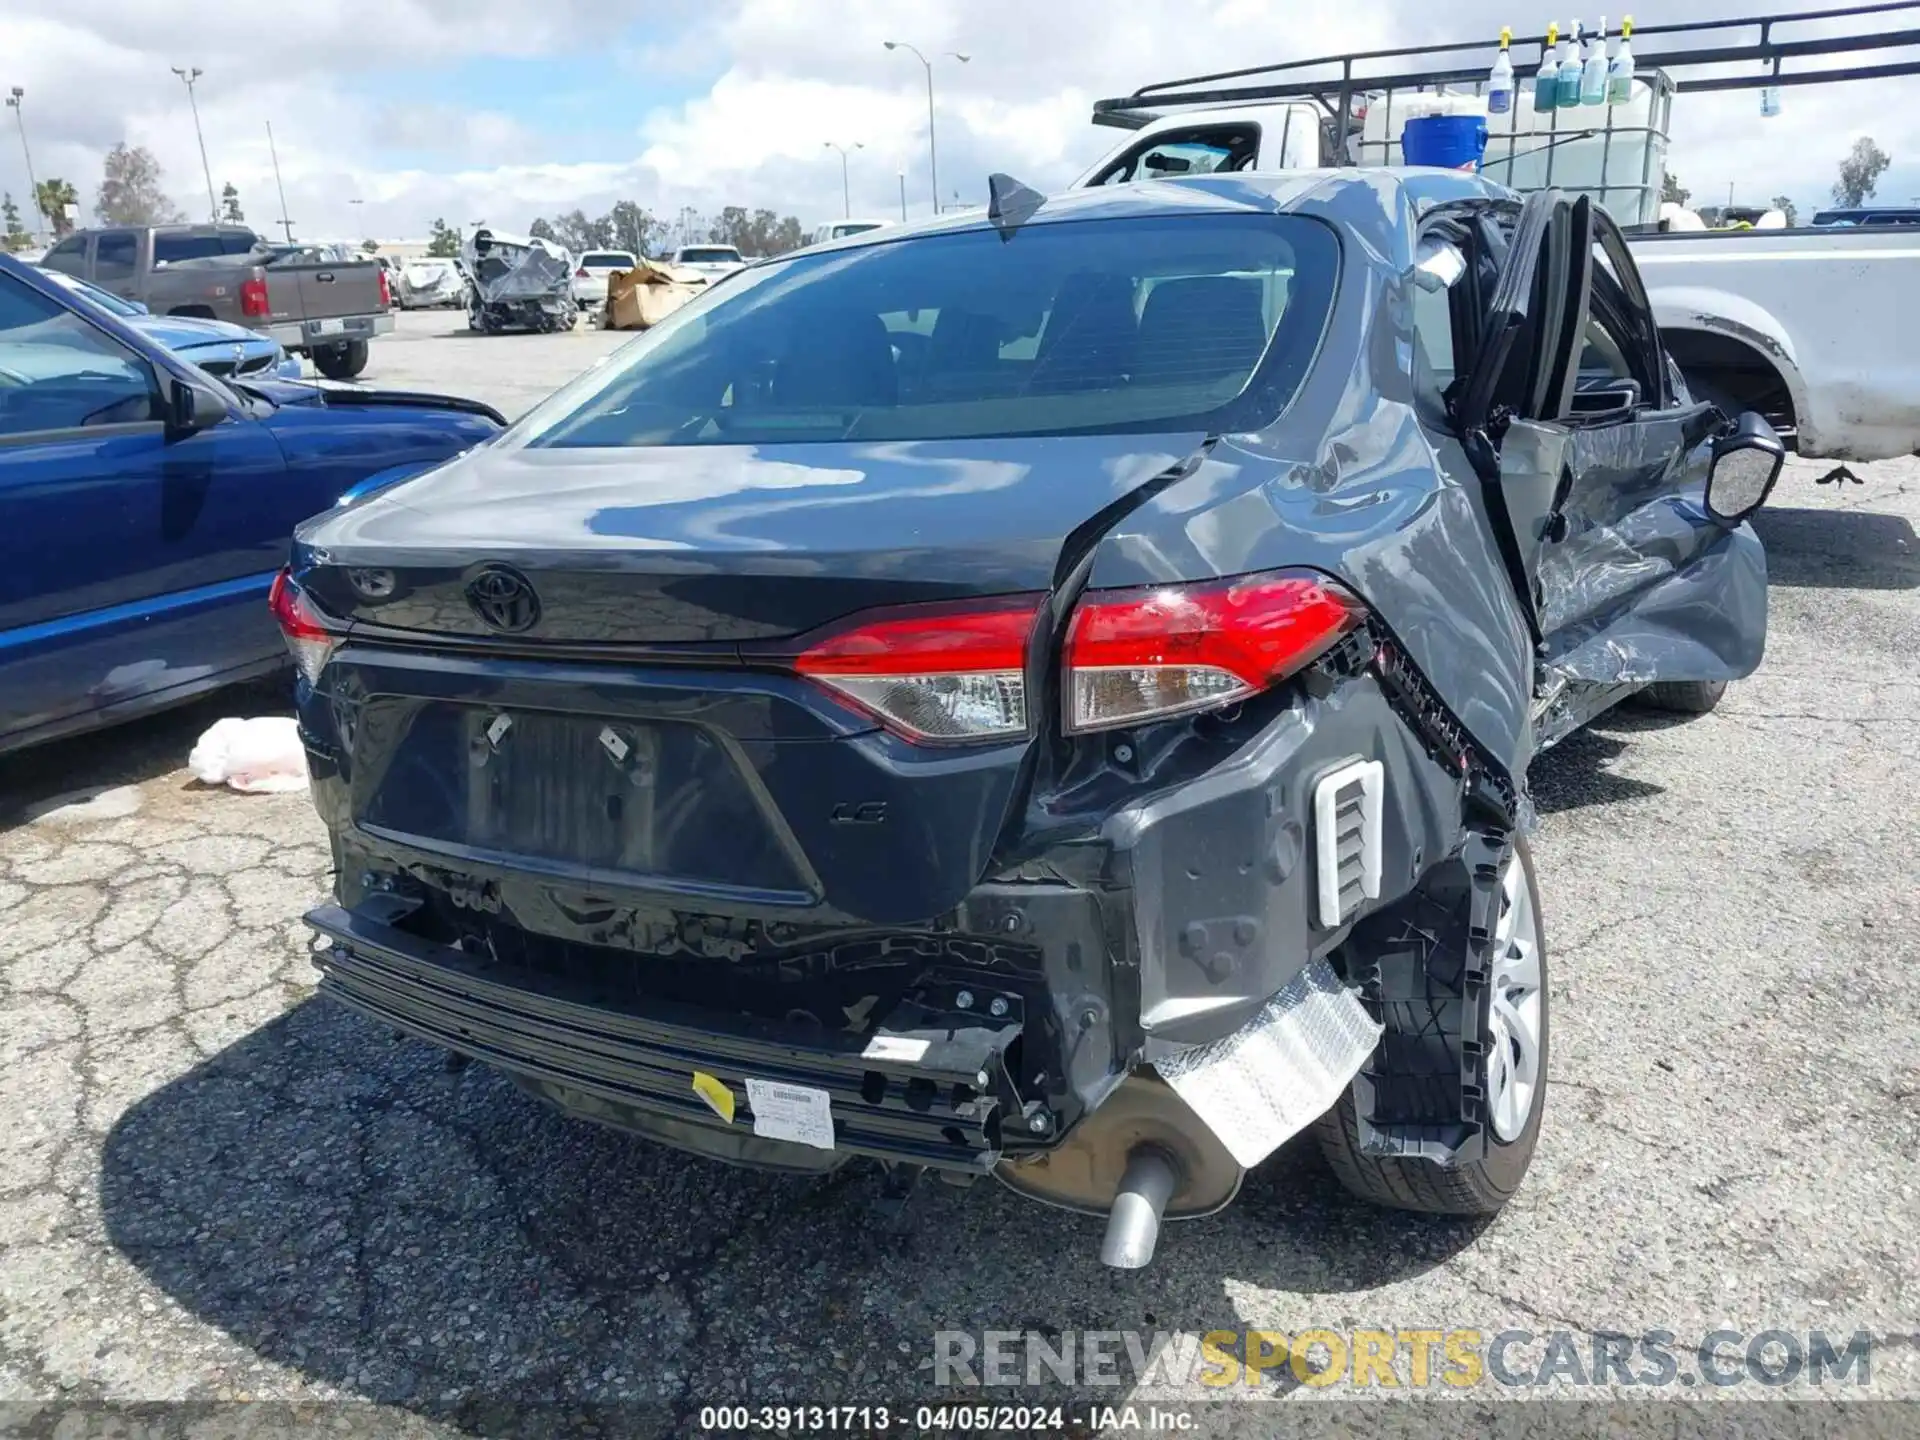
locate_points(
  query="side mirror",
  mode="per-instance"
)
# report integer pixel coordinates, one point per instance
(1746, 462)
(192, 408)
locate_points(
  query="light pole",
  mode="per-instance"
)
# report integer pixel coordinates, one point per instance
(933, 152)
(33, 186)
(903, 197)
(273, 150)
(846, 194)
(187, 78)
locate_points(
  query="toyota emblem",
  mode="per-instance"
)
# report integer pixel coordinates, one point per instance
(502, 597)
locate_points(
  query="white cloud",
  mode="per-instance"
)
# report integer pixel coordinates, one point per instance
(776, 80)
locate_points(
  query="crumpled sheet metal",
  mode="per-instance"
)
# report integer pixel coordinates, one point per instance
(1282, 1070)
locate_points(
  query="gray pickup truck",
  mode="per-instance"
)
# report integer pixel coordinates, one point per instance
(325, 308)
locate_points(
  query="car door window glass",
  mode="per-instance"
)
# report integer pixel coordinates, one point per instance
(57, 372)
(69, 256)
(115, 256)
(1204, 150)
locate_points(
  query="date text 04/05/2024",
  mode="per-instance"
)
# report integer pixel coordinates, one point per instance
(937, 1419)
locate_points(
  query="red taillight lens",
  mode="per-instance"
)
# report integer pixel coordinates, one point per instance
(1138, 655)
(386, 289)
(308, 639)
(253, 296)
(581, 273)
(944, 673)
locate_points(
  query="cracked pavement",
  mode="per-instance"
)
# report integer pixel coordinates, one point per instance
(215, 1186)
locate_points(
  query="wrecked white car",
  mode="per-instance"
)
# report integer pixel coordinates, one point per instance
(432, 283)
(520, 282)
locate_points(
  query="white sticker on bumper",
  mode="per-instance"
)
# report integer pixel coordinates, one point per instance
(798, 1113)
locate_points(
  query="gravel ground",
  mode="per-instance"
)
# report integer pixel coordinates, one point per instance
(213, 1185)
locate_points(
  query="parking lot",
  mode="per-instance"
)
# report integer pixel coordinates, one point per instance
(213, 1185)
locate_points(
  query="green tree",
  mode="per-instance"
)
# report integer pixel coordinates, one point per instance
(1860, 173)
(542, 229)
(443, 242)
(1672, 191)
(130, 192)
(371, 247)
(1786, 207)
(15, 237)
(579, 234)
(230, 210)
(51, 198)
(633, 227)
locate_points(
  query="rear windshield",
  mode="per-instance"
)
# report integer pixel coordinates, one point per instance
(1079, 327)
(701, 254)
(607, 260)
(857, 227)
(174, 248)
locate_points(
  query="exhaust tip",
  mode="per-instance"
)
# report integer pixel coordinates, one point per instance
(1133, 1224)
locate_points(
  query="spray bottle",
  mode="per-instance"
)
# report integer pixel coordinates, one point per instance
(1620, 72)
(1500, 82)
(1546, 83)
(1566, 93)
(1593, 80)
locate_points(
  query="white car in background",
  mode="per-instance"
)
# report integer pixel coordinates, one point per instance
(713, 261)
(590, 275)
(430, 282)
(841, 229)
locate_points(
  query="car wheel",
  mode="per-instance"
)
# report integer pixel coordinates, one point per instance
(341, 362)
(1682, 697)
(1513, 1077)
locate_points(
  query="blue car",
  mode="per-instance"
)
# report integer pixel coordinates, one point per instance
(232, 352)
(145, 505)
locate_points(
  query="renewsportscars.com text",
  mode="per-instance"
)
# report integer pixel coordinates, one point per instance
(1413, 1359)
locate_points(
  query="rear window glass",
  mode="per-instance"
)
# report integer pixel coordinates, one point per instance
(1105, 326)
(857, 227)
(173, 248)
(608, 260)
(702, 254)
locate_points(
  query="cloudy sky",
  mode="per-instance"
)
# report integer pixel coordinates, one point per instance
(500, 110)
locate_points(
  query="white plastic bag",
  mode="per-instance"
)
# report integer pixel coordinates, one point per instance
(257, 757)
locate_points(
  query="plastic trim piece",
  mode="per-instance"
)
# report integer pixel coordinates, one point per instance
(1347, 838)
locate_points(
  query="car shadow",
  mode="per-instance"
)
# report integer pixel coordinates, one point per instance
(1573, 775)
(81, 767)
(342, 1202)
(1839, 549)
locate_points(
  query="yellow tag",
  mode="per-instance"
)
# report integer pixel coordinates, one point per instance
(718, 1097)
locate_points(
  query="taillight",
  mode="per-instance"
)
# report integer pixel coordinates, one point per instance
(386, 289)
(308, 639)
(253, 296)
(581, 273)
(935, 673)
(1145, 654)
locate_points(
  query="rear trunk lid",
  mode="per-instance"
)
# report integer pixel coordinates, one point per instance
(625, 739)
(720, 545)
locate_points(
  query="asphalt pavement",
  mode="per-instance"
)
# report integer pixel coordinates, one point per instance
(214, 1186)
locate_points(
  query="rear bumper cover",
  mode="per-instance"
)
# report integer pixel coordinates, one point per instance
(1136, 929)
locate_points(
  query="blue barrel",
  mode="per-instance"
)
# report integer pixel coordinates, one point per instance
(1452, 142)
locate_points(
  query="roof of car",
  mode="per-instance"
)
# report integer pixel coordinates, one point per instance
(1370, 199)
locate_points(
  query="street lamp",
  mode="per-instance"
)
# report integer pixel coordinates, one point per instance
(903, 197)
(187, 78)
(933, 154)
(846, 194)
(33, 186)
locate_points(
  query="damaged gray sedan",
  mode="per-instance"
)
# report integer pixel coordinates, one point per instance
(1045, 694)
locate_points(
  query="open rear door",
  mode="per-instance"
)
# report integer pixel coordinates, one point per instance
(1524, 372)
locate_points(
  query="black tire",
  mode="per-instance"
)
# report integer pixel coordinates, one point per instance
(1682, 697)
(342, 361)
(1480, 1187)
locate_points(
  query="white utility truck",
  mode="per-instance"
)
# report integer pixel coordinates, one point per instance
(1810, 327)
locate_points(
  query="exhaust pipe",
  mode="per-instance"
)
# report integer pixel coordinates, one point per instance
(1133, 1225)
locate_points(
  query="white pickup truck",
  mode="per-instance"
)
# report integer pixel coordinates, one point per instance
(1812, 328)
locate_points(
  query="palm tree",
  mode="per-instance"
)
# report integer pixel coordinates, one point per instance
(51, 198)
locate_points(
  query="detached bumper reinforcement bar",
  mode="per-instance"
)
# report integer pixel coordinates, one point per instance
(929, 1111)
